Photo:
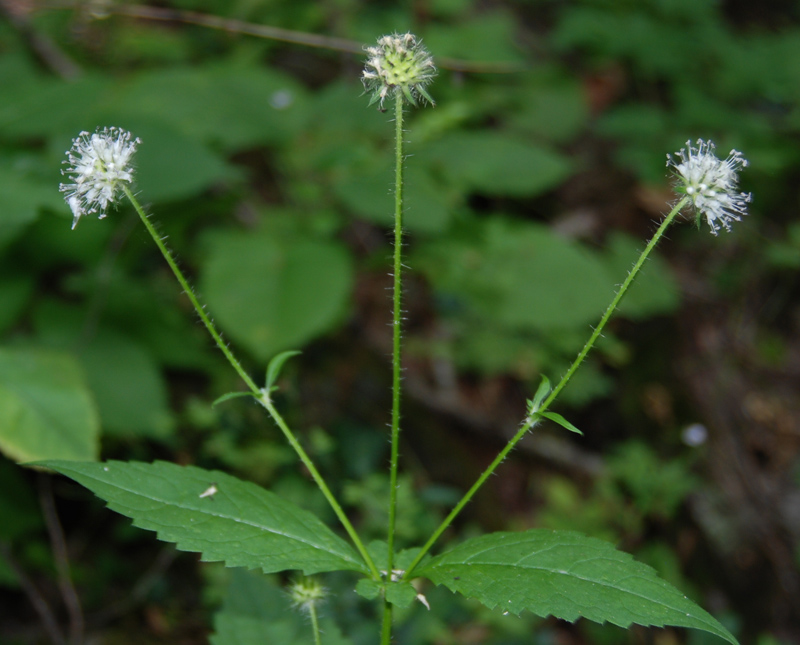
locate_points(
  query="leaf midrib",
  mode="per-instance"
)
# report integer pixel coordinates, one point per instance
(346, 557)
(562, 572)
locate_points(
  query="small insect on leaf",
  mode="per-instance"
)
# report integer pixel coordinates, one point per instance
(210, 491)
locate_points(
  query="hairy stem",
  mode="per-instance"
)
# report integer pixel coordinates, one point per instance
(320, 482)
(397, 305)
(261, 395)
(212, 329)
(312, 612)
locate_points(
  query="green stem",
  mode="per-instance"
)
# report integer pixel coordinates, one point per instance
(261, 396)
(386, 628)
(530, 421)
(312, 611)
(190, 293)
(397, 298)
(396, 325)
(264, 400)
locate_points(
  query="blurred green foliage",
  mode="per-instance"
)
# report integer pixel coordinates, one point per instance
(270, 178)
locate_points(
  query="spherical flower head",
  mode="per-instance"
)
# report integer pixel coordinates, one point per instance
(711, 183)
(398, 65)
(99, 165)
(306, 594)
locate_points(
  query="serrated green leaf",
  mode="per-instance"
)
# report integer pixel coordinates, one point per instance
(46, 410)
(567, 575)
(231, 395)
(236, 522)
(542, 391)
(557, 418)
(275, 366)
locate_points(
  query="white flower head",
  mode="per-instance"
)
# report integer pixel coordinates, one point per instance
(711, 183)
(98, 166)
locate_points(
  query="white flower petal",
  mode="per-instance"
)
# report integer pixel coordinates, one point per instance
(98, 165)
(711, 183)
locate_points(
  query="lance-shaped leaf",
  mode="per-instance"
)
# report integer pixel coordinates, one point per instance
(215, 514)
(567, 575)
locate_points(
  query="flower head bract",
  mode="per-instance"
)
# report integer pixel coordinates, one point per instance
(399, 64)
(99, 165)
(711, 183)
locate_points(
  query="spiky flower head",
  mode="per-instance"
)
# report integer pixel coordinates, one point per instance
(711, 183)
(99, 165)
(398, 65)
(306, 594)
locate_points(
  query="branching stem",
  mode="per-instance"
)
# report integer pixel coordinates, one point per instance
(260, 395)
(529, 422)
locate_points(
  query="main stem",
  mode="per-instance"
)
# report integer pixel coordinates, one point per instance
(397, 298)
(531, 421)
(261, 396)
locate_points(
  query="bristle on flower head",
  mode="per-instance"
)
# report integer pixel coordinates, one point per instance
(98, 166)
(711, 183)
(306, 593)
(398, 65)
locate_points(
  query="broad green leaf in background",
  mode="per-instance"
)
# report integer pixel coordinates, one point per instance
(567, 575)
(129, 388)
(29, 112)
(271, 294)
(550, 106)
(124, 378)
(171, 165)
(654, 292)
(521, 275)
(368, 193)
(238, 106)
(489, 36)
(46, 410)
(494, 163)
(215, 514)
(256, 611)
(24, 194)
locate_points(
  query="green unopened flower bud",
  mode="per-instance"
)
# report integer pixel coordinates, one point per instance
(398, 65)
(306, 594)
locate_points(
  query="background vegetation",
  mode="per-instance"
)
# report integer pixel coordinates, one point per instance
(532, 185)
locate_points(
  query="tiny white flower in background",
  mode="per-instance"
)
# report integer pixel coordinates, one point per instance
(98, 165)
(711, 183)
